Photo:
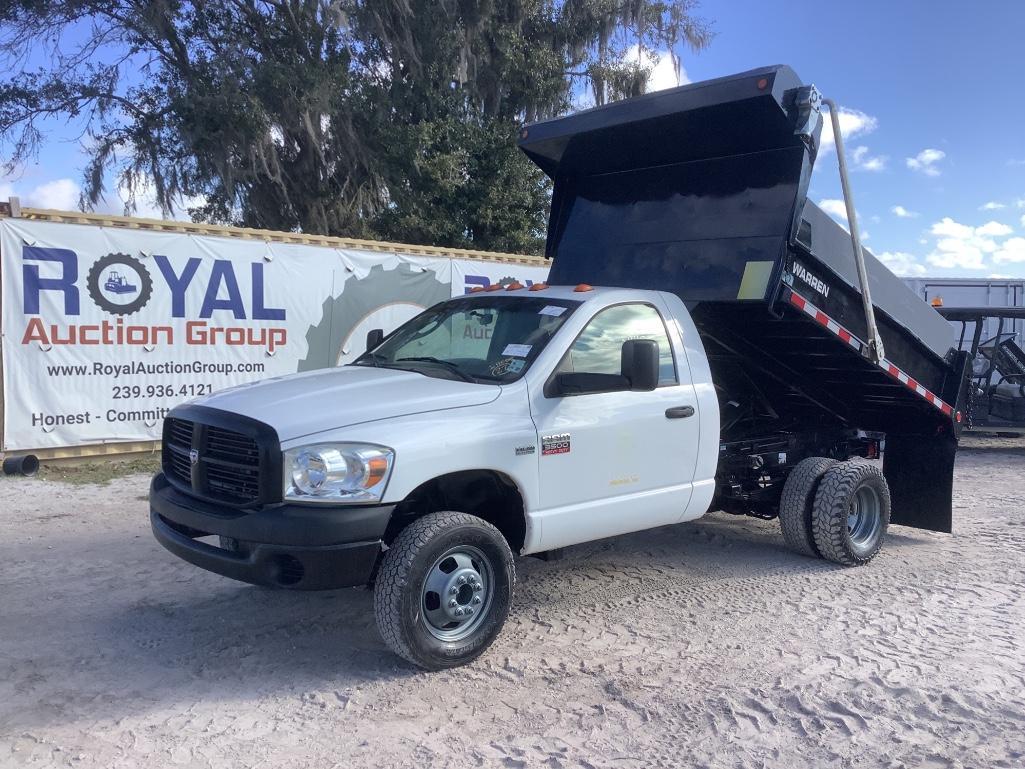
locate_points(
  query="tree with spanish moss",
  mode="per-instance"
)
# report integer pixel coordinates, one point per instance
(365, 118)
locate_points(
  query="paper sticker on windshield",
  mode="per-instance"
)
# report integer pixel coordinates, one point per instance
(517, 350)
(516, 365)
(552, 309)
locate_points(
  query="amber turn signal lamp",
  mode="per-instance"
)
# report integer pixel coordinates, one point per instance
(376, 468)
(539, 287)
(583, 287)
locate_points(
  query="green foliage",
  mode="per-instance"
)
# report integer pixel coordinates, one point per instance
(367, 118)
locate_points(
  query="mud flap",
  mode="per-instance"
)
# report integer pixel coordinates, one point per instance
(920, 473)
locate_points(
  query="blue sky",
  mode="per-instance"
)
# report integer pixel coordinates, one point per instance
(934, 121)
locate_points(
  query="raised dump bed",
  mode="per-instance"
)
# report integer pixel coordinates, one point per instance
(702, 191)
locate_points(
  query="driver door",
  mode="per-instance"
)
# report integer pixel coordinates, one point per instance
(616, 461)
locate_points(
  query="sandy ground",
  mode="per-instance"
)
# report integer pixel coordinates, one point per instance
(706, 644)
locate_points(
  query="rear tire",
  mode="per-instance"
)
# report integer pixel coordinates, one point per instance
(444, 589)
(851, 513)
(795, 506)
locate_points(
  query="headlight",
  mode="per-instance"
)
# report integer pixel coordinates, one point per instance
(340, 472)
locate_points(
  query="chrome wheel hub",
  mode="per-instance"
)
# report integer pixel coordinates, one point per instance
(864, 519)
(457, 593)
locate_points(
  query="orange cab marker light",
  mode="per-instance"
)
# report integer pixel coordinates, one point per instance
(958, 417)
(937, 301)
(476, 289)
(763, 83)
(583, 287)
(539, 287)
(516, 286)
(494, 287)
(376, 467)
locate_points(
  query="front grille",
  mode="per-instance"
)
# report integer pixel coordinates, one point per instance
(228, 467)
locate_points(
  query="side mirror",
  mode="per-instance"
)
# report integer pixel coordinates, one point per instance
(640, 364)
(374, 337)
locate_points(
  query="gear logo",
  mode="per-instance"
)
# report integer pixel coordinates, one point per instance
(119, 284)
(346, 318)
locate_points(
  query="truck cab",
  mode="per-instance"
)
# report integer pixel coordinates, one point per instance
(553, 415)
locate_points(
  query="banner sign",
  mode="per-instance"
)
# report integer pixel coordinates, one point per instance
(105, 329)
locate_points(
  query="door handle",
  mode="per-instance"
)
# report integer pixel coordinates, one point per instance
(679, 412)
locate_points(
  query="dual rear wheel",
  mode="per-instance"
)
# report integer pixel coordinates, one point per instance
(835, 510)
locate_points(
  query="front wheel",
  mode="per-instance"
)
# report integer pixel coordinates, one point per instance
(443, 591)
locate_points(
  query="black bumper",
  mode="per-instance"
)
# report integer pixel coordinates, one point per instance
(293, 546)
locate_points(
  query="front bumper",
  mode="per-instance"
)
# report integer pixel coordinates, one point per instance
(293, 546)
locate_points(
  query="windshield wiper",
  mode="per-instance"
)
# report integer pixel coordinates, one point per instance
(446, 364)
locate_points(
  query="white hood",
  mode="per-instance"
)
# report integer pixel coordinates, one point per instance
(302, 404)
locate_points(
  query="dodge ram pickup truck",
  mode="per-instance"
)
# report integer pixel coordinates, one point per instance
(707, 342)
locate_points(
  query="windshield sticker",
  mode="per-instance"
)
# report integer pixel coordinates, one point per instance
(551, 309)
(502, 367)
(517, 350)
(516, 365)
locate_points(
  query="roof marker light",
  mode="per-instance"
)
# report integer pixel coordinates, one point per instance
(494, 287)
(476, 289)
(763, 83)
(539, 287)
(514, 286)
(582, 287)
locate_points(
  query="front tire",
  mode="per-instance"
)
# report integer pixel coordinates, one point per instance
(851, 513)
(444, 589)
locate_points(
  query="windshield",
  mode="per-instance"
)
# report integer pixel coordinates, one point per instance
(485, 338)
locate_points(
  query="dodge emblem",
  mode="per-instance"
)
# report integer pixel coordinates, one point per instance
(194, 456)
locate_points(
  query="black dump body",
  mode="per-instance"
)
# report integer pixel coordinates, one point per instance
(702, 191)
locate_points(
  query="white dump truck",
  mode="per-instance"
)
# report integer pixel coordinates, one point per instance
(707, 341)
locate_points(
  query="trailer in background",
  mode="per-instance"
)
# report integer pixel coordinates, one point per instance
(976, 293)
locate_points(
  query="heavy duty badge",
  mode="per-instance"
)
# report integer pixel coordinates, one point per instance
(555, 444)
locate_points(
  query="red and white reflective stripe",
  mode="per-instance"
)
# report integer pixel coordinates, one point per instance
(822, 319)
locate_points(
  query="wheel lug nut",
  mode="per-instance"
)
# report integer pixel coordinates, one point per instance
(452, 604)
(461, 580)
(453, 591)
(469, 611)
(476, 600)
(478, 587)
(458, 612)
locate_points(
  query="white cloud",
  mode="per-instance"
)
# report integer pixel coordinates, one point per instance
(902, 263)
(963, 246)
(1023, 220)
(852, 123)
(902, 213)
(1019, 203)
(59, 194)
(865, 162)
(1012, 250)
(662, 66)
(834, 208)
(146, 206)
(925, 161)
(992, 205)
(994, 230)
